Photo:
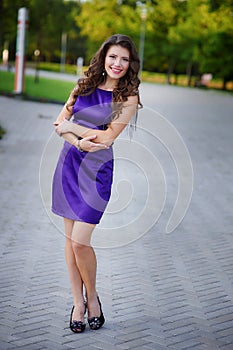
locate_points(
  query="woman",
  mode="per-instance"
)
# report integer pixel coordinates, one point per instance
(102, 104)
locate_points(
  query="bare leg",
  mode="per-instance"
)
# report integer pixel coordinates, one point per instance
(86, 262)
(74, 274)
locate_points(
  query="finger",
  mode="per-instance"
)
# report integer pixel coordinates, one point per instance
(57, 131)
(101, 145)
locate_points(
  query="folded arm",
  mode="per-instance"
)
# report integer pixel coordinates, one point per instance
(87, 143)
(107, 136)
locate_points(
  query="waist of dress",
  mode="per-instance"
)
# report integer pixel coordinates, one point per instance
(91, 125)
(67, 146)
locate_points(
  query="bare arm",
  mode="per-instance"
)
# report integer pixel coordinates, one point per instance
(107, 136)
(65, 114)
(87, 142)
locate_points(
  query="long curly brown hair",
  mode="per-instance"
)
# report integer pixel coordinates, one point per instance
(127, 85)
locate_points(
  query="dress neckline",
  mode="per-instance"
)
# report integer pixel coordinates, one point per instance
(104, 90)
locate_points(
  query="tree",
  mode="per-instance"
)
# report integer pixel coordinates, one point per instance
(193, 35)
(8, 23)
(218, 49)
(47, 21)
(100, 19)
(46, 28)
(189, 36)
(161, 16)
(203, 38)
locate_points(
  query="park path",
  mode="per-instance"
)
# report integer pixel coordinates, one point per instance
(162, 291)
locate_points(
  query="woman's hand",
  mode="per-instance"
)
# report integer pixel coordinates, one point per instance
(63, 127)
(86, 144)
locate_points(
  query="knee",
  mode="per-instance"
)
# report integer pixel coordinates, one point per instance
(78, 247)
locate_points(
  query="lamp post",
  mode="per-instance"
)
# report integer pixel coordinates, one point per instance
(37, 60)
(63, 51)
(142, 34)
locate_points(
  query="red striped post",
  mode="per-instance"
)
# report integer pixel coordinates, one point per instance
(20, 50)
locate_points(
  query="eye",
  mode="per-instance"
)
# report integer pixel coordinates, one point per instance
(112, 56)
(126, 59)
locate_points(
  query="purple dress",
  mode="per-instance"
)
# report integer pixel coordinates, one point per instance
(82, 180)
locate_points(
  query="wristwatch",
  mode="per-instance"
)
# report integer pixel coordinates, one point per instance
(78, 145)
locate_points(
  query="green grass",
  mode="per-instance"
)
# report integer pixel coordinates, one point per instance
(6, 81)
(50, 89)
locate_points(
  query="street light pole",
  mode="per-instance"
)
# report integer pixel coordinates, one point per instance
(37, 61)
(63, 51)
(142, 35)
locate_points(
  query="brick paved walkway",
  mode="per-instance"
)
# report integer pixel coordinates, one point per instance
(163, 291)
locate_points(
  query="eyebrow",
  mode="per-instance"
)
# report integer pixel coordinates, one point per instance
(111, 53)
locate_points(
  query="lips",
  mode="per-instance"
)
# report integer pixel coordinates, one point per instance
(116, 70)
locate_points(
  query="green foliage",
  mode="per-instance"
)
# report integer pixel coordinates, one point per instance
(8, 23)
(193, 36)
(47, 21)
(218, 53)
(160, 17)
(100, 19)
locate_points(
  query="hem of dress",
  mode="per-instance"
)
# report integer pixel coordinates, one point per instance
(72, 218)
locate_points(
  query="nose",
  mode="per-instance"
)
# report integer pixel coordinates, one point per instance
(117, 62)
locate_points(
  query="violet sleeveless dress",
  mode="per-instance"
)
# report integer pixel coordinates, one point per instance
(82, 180)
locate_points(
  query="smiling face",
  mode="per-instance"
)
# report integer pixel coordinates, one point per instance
(116, 62)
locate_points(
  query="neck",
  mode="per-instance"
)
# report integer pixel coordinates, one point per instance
(109, 84)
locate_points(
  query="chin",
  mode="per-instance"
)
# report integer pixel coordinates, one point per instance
(116, 77)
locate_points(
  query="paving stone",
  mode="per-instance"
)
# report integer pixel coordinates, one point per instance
(226, 347)
(29, 347)
(161, 292)
(133, 343)
(188, 344)
(222, 319)
(227, 338)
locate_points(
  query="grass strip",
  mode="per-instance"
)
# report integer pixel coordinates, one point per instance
(51, 89)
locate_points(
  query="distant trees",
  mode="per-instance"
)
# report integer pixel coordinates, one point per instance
(100, 19)
(8, 23)
(217, 52)
(48, 19)
(202, 38)
(192, 36)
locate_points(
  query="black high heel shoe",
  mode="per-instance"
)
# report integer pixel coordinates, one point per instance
(97, 322)
(77, 326)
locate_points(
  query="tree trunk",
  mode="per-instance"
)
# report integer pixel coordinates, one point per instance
(189, 73)
(169, 72)
(224, 83)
